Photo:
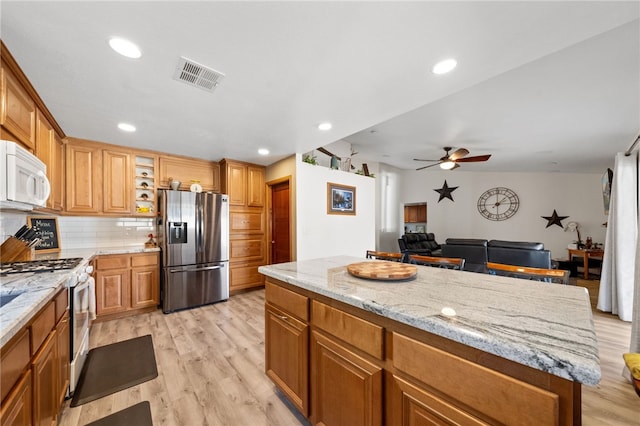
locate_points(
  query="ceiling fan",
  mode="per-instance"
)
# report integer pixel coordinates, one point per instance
(450, 161)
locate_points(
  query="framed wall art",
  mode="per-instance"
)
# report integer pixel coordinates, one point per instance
(341, 199)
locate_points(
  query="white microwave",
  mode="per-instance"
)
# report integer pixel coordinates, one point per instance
(23, 178)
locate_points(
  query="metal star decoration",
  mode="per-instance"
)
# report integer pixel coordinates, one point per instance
(445, 191)
(554, 219)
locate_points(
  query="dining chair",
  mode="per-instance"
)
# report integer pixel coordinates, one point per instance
(456, 263)
(383, 255)
(557, 276)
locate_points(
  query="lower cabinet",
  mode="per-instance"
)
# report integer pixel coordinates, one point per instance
(62, 358)
(16, 410)
(45, 396)
(365, 369)
(126, 284)
(346, 388)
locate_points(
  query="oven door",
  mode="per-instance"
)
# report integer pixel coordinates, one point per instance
(79, 315)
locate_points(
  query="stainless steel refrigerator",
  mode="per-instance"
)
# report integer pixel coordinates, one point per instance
(193, 233)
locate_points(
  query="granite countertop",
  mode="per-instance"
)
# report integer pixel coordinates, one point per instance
(545, 326)
(36, 289)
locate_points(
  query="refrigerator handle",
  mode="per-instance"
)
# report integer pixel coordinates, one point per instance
(199, 225)
(208, 268)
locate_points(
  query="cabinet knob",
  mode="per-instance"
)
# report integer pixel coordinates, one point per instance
(282, 317)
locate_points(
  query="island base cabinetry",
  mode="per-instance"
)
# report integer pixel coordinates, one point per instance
(367, 369)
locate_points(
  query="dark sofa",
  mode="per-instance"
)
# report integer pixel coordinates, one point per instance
(477, 252)
(419, 243)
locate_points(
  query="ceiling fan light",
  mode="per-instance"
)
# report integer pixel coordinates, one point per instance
(447, 165)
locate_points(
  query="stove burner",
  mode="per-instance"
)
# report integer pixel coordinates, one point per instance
(48, 265)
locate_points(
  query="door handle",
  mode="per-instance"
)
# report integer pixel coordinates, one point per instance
(208, 268)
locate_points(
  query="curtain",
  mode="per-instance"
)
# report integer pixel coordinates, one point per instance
(619, 276)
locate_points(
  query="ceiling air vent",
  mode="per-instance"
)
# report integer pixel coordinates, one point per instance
(194, 74)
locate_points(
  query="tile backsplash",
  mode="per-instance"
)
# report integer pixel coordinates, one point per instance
(88, 232)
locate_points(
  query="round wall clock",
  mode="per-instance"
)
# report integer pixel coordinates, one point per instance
(498, 203)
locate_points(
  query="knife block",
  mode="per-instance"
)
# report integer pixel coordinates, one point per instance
(14, 250)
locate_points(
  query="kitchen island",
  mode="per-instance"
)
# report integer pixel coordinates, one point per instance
(447, 346)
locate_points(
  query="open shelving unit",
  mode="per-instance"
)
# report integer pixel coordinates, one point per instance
(145, 186)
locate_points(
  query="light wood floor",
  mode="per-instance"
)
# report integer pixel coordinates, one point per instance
(211, 370)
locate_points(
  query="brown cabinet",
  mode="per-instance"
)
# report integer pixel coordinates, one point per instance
(84, 177)
(186, 170)
(244, 183)
(50, 150)
(44, 369)
(18, 114)
(62, 358)
(116, 181)
(126, 284)
(287, 344)
(16, 409)
(415, 213)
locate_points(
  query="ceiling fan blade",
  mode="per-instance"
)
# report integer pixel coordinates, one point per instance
(474, 159)
(458, 153)
(420, 159)
(430, 165)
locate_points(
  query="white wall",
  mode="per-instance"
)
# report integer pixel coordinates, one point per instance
(578, 196)
(320, 234)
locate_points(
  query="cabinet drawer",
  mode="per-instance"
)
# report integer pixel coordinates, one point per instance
(246, 249)
(144, 259)
(245, 222)
(112, 262)
(42, 326)
(362, 334)
(14, 360)
(503, 398)
(244, 275)
(290, 301)
(61, 302)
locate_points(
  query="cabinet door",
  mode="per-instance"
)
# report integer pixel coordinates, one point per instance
(57, 174)
(18, 114)
(346, 389)
(185, 170)
(409, 405)
(421, 214)
(62, 358)
(84, 182)
(49, 149)
(145, 287)
(255, 186)
(113, 291)
(243, 275)
(413, 214)
(117, 181)
(237, 184)
(286, 356)
(16, 409)
(45, 370)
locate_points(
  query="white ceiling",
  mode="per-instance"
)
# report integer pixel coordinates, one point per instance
(542, 86)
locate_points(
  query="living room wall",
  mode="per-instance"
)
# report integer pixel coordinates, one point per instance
(320, 234)
(576, 195)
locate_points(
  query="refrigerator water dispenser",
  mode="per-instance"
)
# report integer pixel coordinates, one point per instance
(178, 233)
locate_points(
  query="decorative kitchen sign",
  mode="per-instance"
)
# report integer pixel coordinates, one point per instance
(48, 229)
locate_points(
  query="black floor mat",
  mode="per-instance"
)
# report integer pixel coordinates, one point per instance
(115, 367)
(138, 415)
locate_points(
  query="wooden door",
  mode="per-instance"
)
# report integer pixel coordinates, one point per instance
(16, 409)
(286, 356)
(280, 223)
(145, 287)
(84, 179)
(45, 395)
(117, 181)
(346, 389)
(113, 291)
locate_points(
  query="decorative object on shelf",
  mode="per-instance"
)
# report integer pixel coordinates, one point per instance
(573, 227)
(309, 159)
(142, 209)
(144, 185)
(554, 219)
(145, 174)
(175, 184)
(498, 203)
(151, 243)
(144, 196)
(47, 228)
(195, 186)
(334, 163)
(341, 199)
(445, 191)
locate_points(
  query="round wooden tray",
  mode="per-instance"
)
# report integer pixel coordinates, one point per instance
(383, 270)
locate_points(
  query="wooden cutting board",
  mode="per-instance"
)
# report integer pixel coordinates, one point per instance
(382, 270)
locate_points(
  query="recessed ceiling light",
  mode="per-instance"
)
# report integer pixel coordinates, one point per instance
(125, 47)
(263, 151)
(126, 127)
(325, 126)
(444, 67)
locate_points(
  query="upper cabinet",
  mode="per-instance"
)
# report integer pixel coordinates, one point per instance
(50, 149)
(189, 171)
(116, 181)
(244, 183)
(84, 177)
(18, 116)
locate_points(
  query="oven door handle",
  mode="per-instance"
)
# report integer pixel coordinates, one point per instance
(207, 268)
